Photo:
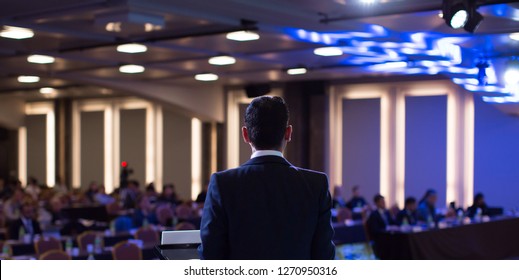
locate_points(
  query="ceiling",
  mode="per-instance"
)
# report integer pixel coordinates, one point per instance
(391, 37)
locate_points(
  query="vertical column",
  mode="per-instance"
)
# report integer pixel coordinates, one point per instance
(22, 155)
(196, 157)
(116, 144)
(159, 142)
(76, 145)
(109, 149)
(150, 144)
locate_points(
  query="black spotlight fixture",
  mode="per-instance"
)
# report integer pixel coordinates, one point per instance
(462, 14)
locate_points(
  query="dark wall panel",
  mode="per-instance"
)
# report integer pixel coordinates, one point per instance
(133, 142)
(361, 146)
(36, 147)
(92, 148)
(426, 146)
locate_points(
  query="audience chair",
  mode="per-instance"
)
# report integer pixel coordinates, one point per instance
(46, 244)
(55, 255)
(147, 235)
(164, 215)
(125, 250)
(87, 237)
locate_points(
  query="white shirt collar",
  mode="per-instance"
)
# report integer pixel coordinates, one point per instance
(263, 153)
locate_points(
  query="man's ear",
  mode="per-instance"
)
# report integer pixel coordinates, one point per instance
(288, 133)
(245, 134)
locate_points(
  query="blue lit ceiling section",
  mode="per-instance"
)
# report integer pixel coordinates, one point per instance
(377, 49)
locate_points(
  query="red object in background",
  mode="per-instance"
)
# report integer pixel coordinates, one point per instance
(124, 164)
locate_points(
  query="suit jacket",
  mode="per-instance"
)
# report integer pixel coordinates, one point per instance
(411, 217)
(377, 224)
(267, 209)
(14, 228)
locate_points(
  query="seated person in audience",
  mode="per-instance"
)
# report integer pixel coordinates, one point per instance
(169, 195)
(144, 213)
(338, 200)
(151, 193)
(33, 189)
(427, 207)
(26, 223)
(408, 215)
(201, 196)
(13, 204)
(378, 220)
(479, 203)
(357, 201)
(102, 198)
(92, 190)
(130, 194)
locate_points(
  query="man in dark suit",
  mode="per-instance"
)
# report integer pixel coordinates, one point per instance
(378, 221)
(267, 208)
(26, 223)
(408, 216)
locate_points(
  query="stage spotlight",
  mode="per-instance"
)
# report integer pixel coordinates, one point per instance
(461, 14)
(455, 13)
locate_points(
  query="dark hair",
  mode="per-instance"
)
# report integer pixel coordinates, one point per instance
(427, 194)
(410, 200)
(355, 188)
(478, 197)
(266, 119)
(377, 198)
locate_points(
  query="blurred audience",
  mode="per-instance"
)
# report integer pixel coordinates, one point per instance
(144, 213)
(356, 201)
(479, 203)
(169, 195)
(338, 200)
(427, 207)
(408, 216)
(26, 223)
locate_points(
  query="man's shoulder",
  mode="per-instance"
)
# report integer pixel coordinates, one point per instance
(241, 169)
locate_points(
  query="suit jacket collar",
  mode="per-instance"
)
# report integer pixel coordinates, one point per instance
(267, 160)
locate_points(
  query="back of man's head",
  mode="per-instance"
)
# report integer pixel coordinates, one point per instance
(266, 120)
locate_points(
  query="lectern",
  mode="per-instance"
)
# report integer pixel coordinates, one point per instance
(179, 245)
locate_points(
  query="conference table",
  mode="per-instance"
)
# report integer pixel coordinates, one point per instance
(497, 239)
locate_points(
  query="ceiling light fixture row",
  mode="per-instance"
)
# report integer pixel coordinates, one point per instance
(17, 33)
(462, 14)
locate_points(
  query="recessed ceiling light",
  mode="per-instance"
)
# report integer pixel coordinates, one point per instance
(222, 60)
(131, 69)
(149, 27)
(296, 71)
(132, 48)
(243, 36)
(28, 79)
(206, 77)
(328, 51)
(367, 1)
(18, 33)
(40, 59)
(113, 27)
(514, 36)
(47, 90)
